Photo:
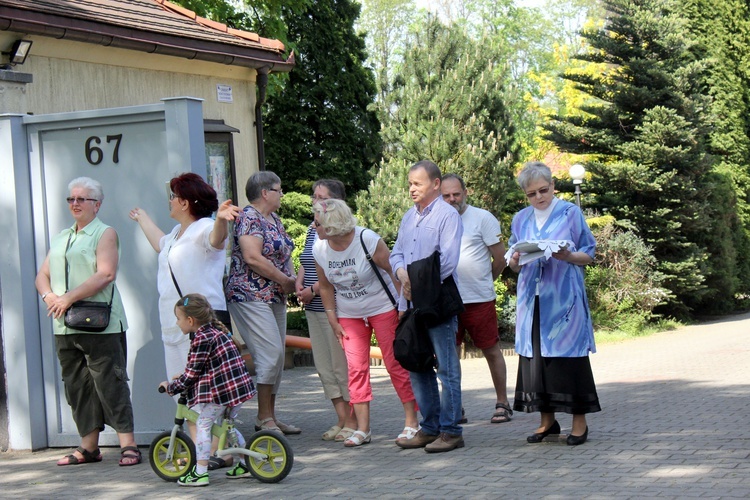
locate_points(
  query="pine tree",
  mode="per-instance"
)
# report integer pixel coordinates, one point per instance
(723, 27)
(448, 104)
(646, 127)
(319, 125)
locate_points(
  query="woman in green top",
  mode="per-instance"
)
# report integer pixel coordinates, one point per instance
(93, 365)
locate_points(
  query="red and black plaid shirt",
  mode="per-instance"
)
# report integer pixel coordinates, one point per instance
(215, 371)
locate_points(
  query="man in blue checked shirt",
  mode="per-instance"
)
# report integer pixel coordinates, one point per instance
(432, 225)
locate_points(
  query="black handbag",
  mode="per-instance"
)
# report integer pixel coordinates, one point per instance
(412, 347)
(87, 315)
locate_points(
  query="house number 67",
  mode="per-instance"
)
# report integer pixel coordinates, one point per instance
(95, 155)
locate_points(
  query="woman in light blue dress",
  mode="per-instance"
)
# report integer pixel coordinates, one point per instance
(554, 333)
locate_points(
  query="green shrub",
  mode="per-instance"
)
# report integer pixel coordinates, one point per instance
(742, 301)
(298, 233)
(505, 305)
(623, 286)
(600, 222)
(296, 206)
(296, 214)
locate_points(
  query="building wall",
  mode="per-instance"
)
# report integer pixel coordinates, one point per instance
(76, 76)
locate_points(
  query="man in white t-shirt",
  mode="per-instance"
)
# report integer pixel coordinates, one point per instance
(480, 263)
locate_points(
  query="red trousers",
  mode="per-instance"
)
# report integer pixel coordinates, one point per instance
(357, 349)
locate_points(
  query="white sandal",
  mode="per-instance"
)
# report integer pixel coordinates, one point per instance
(407, 433)
(356, 440)
(344, 434)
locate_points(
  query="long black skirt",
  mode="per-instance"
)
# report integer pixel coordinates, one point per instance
(551, 385)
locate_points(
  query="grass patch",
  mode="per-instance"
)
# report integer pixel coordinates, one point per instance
(603, 336)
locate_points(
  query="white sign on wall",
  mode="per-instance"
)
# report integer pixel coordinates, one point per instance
(223, 92)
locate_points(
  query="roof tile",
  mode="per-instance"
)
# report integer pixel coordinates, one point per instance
(177, 8)
(211, 24)
(153, 26)
(247, 35)
(155, 16)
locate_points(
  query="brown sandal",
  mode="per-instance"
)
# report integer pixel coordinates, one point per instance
(502, 414)
(130, 458)
(88, 457)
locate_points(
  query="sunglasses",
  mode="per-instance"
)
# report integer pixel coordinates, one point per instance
(542, 192)
(71, 200)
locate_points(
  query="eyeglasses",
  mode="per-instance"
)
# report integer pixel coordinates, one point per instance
(172, 196)
(318, 198)
(78, 200)
(542, 192)
(280, 191)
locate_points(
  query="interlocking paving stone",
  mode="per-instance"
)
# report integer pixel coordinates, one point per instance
(673, 425)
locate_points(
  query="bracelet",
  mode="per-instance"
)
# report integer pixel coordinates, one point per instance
(312, 290)
(44, 295)
(330, 310)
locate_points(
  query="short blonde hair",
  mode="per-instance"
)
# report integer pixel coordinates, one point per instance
(335, 216)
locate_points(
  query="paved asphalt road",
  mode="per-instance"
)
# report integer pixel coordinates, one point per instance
(675, 424)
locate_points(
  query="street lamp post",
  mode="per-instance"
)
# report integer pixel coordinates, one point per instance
(577, 172)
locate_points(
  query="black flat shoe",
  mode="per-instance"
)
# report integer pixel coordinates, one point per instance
(537, 437)
(576, 440)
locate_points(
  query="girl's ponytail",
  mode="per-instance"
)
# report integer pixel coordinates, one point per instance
(221, 326)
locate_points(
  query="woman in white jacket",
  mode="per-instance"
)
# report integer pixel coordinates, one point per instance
(192, 258)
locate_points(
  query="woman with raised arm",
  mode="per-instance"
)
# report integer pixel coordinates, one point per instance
(192, 259)
(260, 277)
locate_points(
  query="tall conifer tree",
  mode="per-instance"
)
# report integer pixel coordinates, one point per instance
(646, 125)
(723, 27)
(449, 104)
(319, 124)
